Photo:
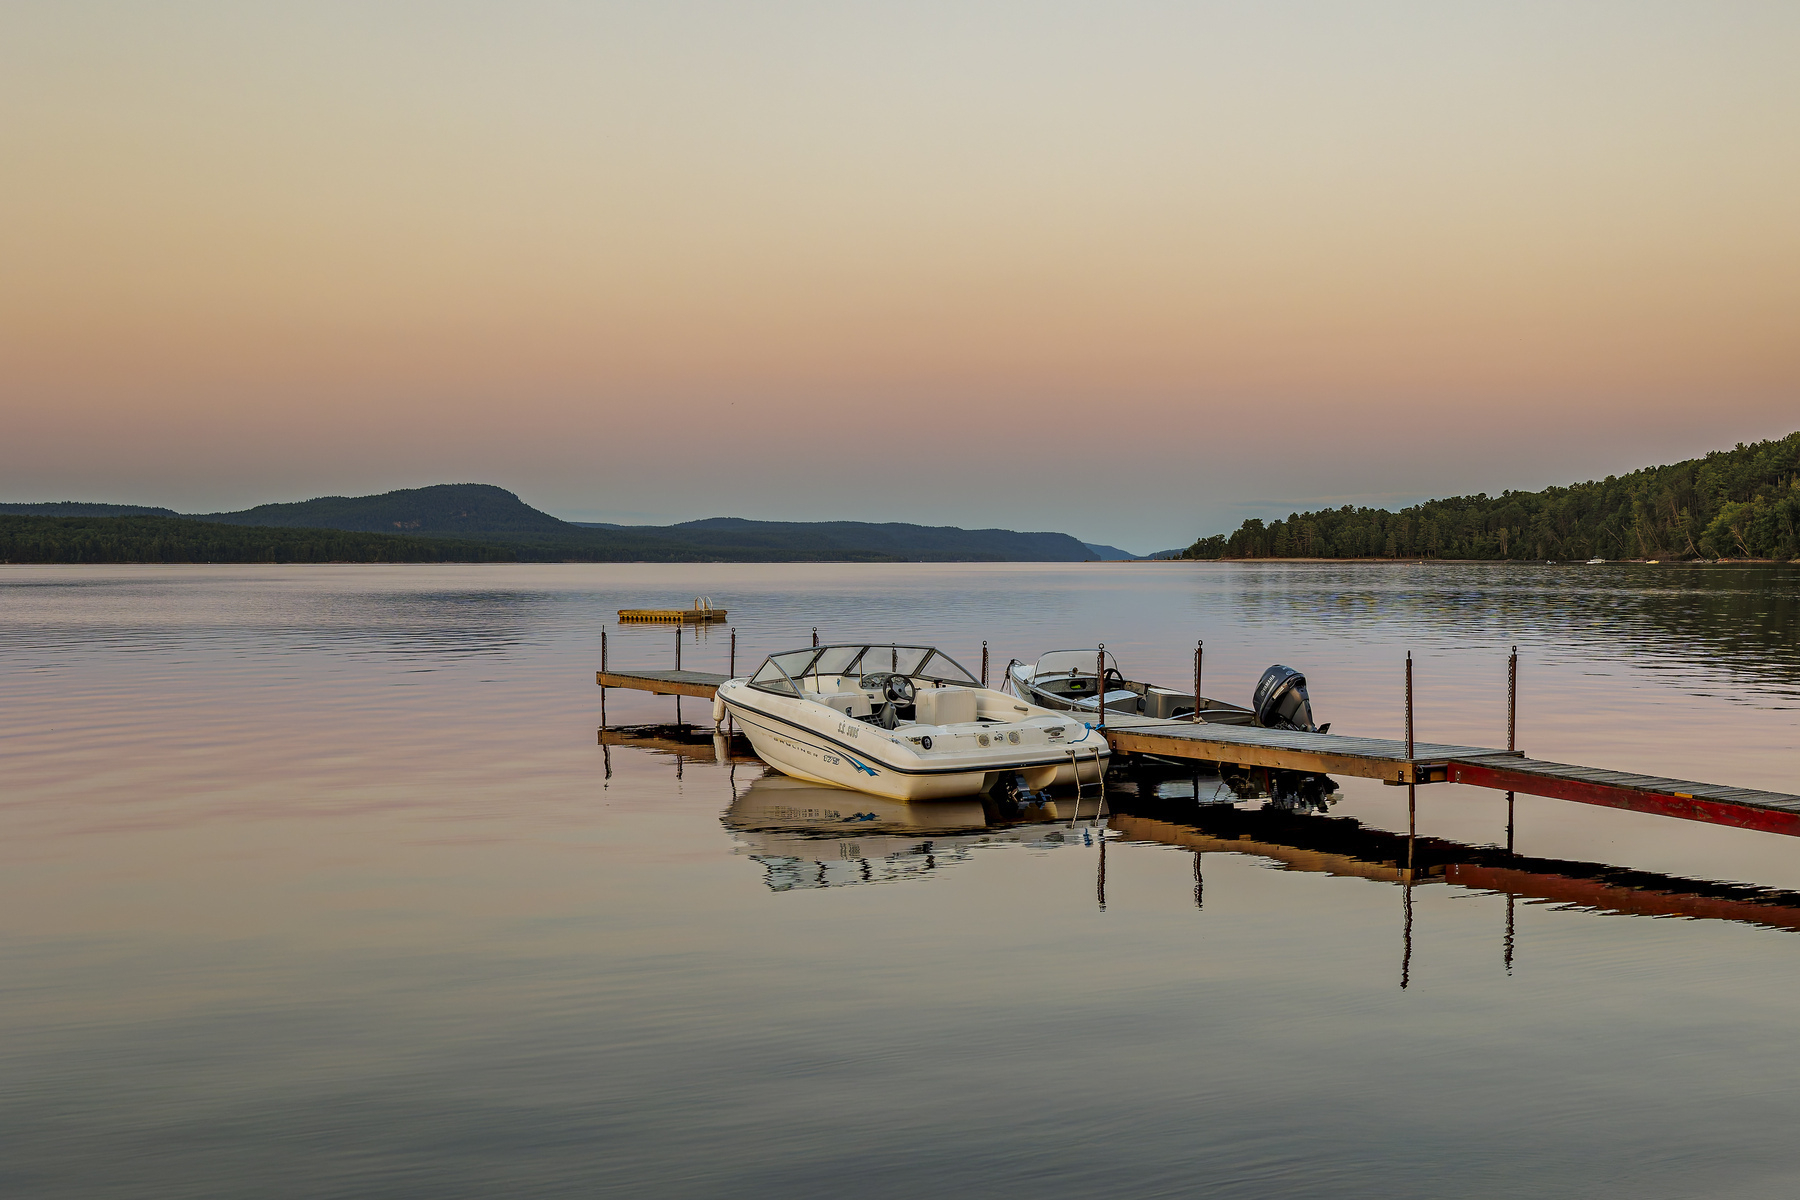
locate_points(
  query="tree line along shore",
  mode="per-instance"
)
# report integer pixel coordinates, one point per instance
(1742, 503)
(482, 522)
(25, 539)
(33, 538)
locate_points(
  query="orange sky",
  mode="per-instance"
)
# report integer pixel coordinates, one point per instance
(927, 262)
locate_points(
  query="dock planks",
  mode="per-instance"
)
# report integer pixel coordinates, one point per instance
(1380, 758)
(663, 683)
(1716, 804)
(1285, 749)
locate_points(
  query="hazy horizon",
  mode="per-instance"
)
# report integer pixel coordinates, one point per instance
(1131, 272)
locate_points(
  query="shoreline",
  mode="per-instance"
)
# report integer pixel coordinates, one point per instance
(1528, 562)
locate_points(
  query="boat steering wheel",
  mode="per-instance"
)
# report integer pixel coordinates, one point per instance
(899, 689)
(1112, 676)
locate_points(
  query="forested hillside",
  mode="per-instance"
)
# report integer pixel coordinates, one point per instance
(492, 514)
(808, 540)
(75, 508)
(491, 522)
(444, 509)
(1742, 503)
(179, 540)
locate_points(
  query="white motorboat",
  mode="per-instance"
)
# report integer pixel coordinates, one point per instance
(1596, 561)
(904, 722)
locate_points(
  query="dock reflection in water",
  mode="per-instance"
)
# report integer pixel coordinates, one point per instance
(807, 836)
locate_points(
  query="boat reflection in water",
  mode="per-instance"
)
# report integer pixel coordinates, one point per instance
(808, 836)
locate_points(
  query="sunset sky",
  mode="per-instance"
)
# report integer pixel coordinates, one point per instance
(1131, 271)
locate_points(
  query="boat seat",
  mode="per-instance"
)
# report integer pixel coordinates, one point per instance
(851, 704)
(1162, 702)
(945, 706)
(1120, 699)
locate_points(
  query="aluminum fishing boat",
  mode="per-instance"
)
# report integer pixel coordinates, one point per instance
(904, 722)
(1080, 681)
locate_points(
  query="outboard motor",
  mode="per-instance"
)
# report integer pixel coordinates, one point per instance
(1282, 703)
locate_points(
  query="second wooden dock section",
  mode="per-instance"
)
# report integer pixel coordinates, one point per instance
(1379, 758)
(663, 683)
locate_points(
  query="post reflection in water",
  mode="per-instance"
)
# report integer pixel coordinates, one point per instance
(1100, 878)
(1508, 954)
(1412, 830)
(1406, 905)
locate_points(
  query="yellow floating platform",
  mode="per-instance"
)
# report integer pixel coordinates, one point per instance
(703, 613)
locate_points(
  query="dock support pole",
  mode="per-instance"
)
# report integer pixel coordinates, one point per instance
(1199, 658)
(1512, 700)
(1409, 727)
(603, 686)
(1512, 726)
(983, 662)
(815, 637)
(731, 667)
(1412, 804)
(1100, 689)
(678, 694)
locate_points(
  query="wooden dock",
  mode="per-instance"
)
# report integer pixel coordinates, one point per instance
(1716, 804)
(663, 683)
(1285, 749)
(1379, 758)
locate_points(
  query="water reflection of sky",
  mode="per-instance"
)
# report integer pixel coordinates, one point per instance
(315, 882)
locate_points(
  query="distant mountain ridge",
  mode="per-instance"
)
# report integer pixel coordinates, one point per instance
(476, 512)
(1112, 552)
(74, 508)
(891, 539)
(445, 509)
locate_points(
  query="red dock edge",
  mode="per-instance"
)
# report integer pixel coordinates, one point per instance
(1635, 799)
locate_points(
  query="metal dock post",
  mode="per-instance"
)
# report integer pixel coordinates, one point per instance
(1512, 725)
(1199, 658)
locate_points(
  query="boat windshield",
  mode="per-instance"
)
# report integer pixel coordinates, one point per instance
(1069, 662)
(781, 672)
(776, 674)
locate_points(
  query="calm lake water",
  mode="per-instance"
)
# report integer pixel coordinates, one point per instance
(318, 883)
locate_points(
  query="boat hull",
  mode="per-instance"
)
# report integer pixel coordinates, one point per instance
(807, 741)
